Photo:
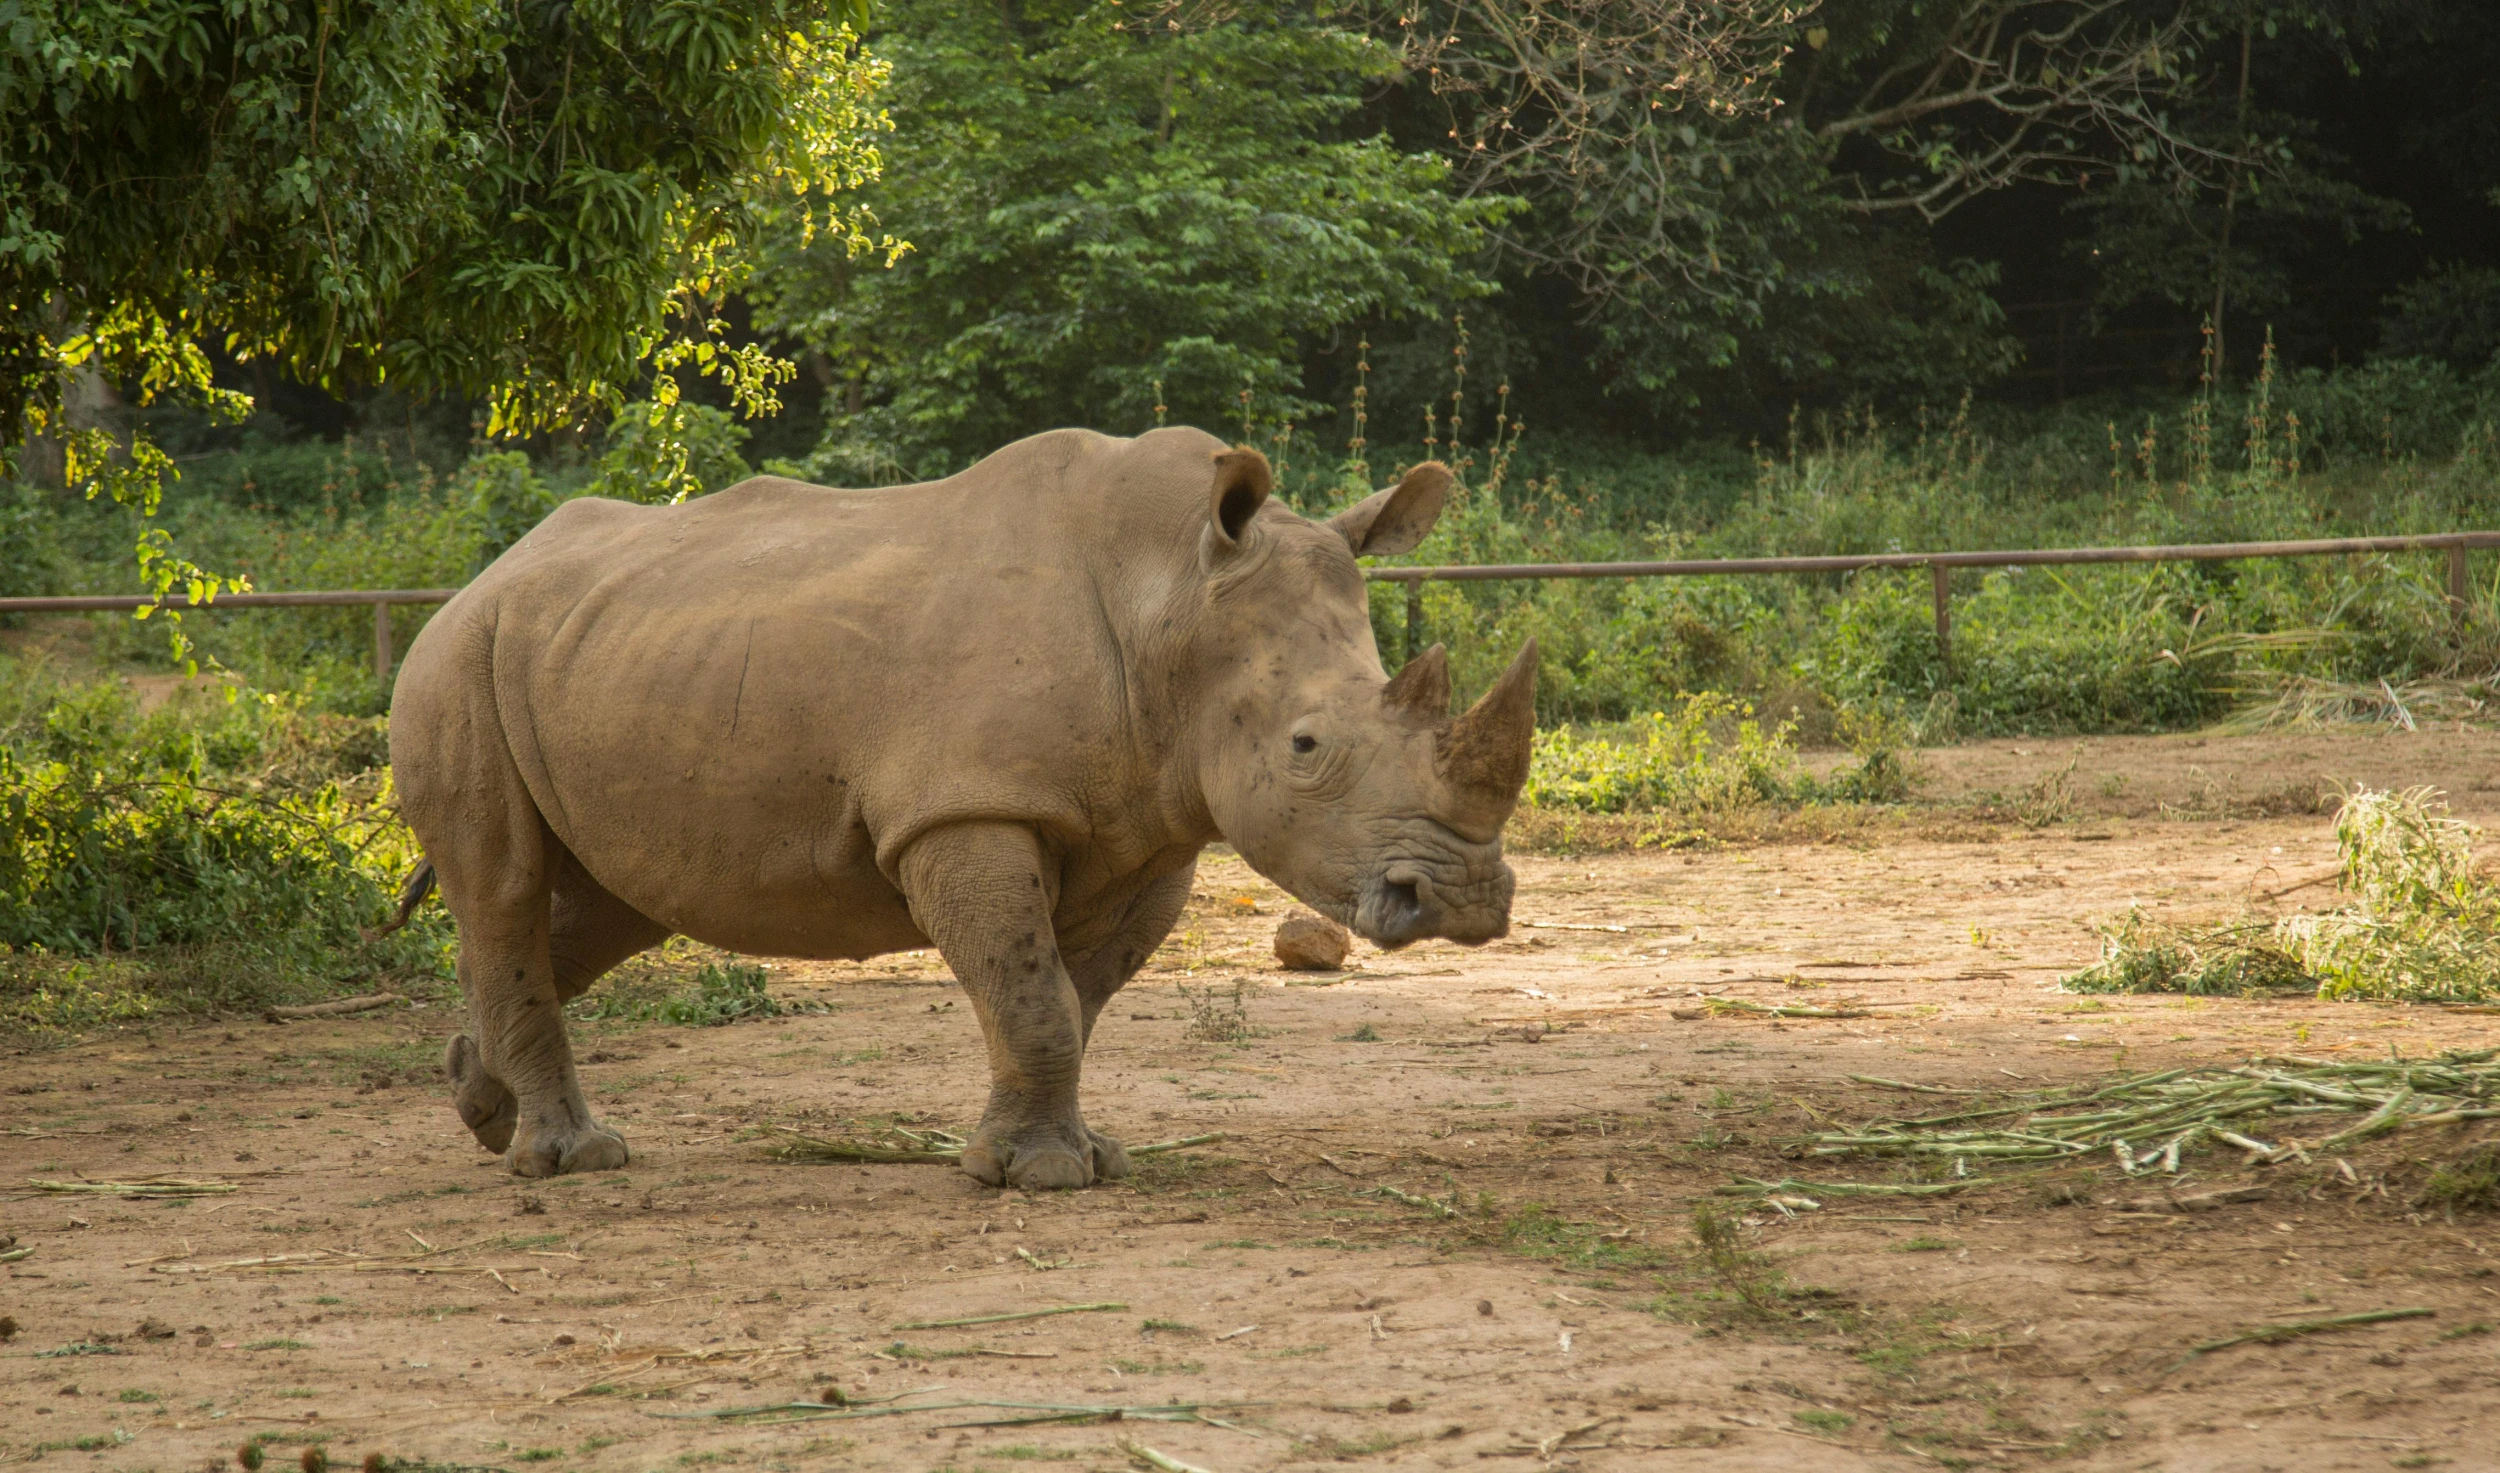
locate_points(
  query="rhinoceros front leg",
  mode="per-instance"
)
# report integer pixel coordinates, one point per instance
(1100, 971)
(977, 891)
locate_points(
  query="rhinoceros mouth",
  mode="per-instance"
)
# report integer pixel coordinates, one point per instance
(1403, 904)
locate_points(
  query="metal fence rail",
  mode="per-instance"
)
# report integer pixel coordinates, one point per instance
(1939, 565)
(380, 598)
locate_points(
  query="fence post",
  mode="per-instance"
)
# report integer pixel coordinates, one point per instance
(381, 641)
(1414, 617)
(2456, 582)
(1940, 579)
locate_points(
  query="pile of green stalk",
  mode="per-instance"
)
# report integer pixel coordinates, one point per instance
(2146, 1122)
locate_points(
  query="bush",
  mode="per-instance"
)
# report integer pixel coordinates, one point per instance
(2452, 315)
(1676, 762)
(32, 559)
(719, 993)
(242, 823)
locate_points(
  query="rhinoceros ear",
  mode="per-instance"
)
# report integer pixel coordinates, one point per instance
(1242, 483)
(1390, 522)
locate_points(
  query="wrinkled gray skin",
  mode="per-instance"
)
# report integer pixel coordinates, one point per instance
(999, 713)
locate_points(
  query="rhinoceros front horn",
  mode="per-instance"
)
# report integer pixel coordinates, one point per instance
(1484, 754)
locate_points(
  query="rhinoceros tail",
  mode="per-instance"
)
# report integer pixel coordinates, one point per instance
(411, 895)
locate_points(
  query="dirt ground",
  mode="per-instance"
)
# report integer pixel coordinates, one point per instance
(375, 1285)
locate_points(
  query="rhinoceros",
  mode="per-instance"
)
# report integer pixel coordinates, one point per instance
(1000, 714)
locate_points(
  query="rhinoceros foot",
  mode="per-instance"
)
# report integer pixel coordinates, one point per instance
(559, 1151)
(1111, 1161)
(1041, 1158)
(486, 1106)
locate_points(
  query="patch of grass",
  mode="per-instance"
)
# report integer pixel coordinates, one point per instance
(2461, 1332)
(134, 1394)
(1537, 1231)
(1289, 1352)
(1894, 1348)
(1829, 1422)
(539, 1454)
(1168, 1327)
(76, 1347)
(1025, 1452)
(2470, 1183)
(1366, 1033)
(277, 1345)
(1158, 1367)
(1925, 1244)
(719, 993)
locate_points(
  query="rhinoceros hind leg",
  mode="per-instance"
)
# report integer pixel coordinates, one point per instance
(486, 1106)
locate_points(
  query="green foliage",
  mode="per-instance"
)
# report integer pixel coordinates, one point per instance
(2451, 315)
(531, 204)
(30, 549)
(661, 452)
(719, 993)
(1109, 214)
(2112, 648)
(2422, 924)
(1667, 762)
(504, 200)
(1747, 1282)
(122, 832)
(243, 841)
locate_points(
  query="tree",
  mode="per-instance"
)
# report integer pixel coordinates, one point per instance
(533, 202)
(1757, 179)
(1118, 211)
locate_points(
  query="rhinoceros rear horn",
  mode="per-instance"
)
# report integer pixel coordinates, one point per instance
(1423, 687)
(1484, 754)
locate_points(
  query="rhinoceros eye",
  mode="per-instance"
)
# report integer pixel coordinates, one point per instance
(1306, 744)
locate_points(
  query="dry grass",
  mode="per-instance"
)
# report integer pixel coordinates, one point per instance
(2422, 923)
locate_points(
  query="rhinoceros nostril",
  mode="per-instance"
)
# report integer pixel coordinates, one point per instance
(1399, 899)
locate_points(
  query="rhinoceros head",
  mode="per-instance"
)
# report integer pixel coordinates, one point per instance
(1352, 789)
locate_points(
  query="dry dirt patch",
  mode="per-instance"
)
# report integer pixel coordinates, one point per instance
(1427, 1241)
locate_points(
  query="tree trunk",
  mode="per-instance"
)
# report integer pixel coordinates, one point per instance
(2231, 195)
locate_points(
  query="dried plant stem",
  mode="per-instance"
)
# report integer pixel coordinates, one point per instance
(1105, 1307)
(1148, 1457)
(2270, 1334)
